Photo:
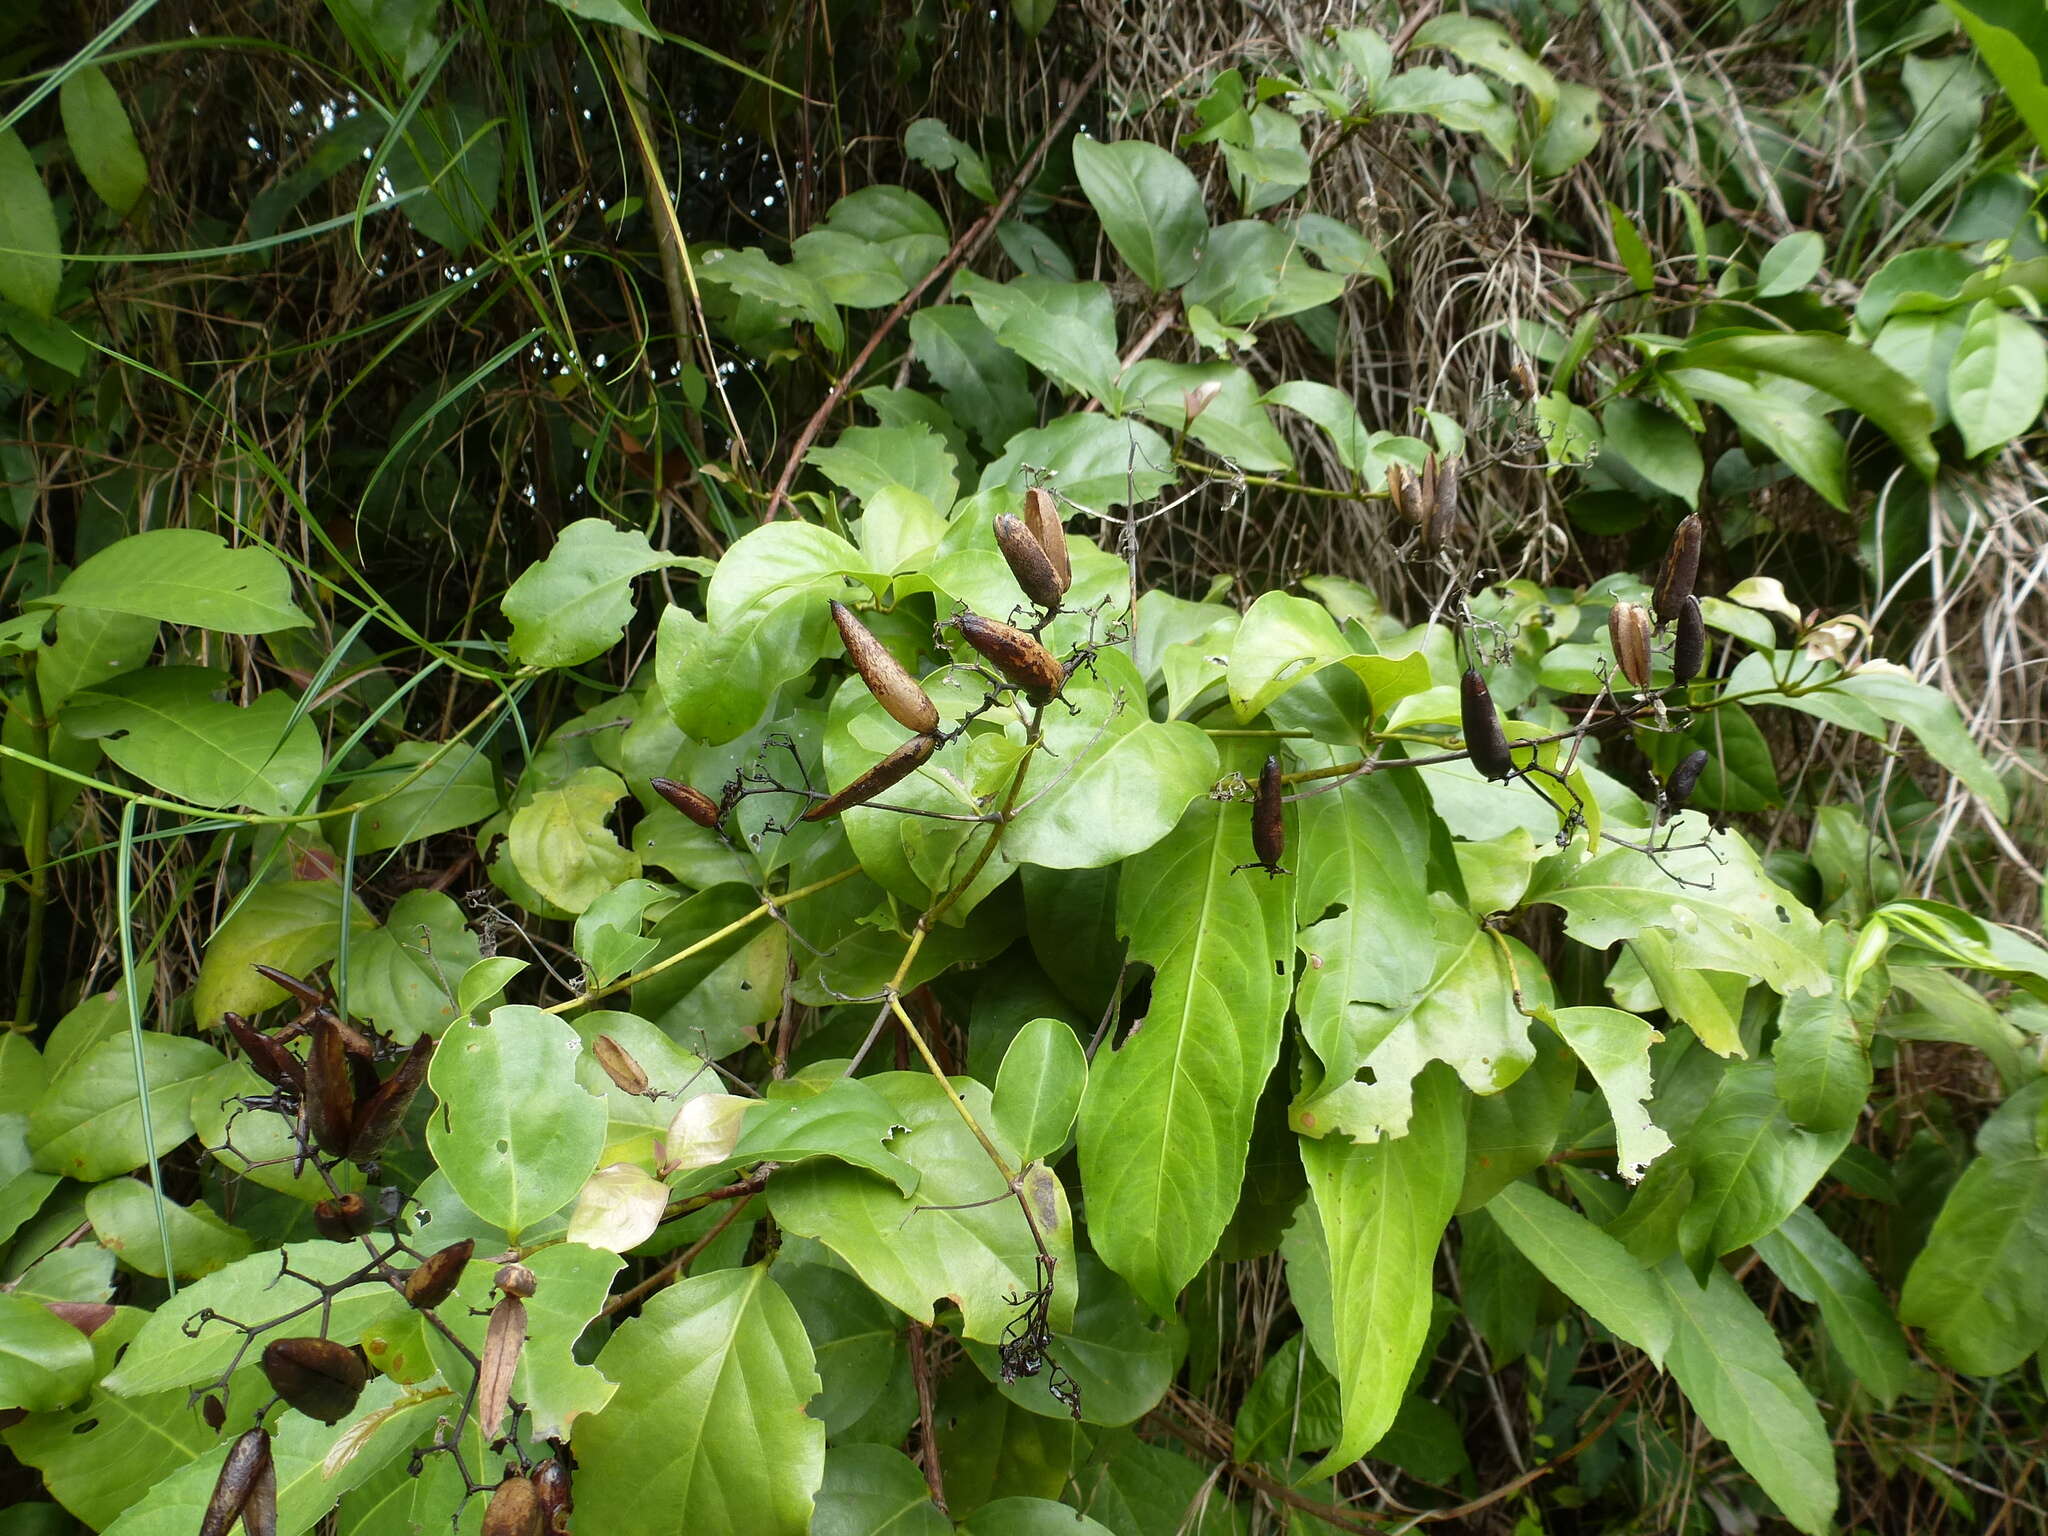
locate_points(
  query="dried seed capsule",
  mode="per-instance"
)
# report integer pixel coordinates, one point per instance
(214, 1411)
(1689, 646)
(1042, 517)
(303, 992)
(515, 1280)
(320, 1378)
(1018, 656)
(1442, 512)
(330, 1095)
(1629, 628)
(1679, 787)
(887, 678)
(1523, 377)
(1028, 562)
(1269, 819)
(246, 1489)
(383, 1112)
(504, 1337)
(693, 803)
(436, 1278)
(1400, 488)
(551, 1482)
(515, 1510)
(1197, 400)
(619, 1065)
(893, 769)
(267, 1058)
(1485, 737)
(1681, 569)
(343, 1217)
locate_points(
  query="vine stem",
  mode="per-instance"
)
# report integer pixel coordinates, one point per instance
(36, 857)
(679, 1263)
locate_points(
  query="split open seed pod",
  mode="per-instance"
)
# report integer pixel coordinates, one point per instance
(378, 1117)
(1628, 627)
(343, 1217)
(1028, 562)
(330, 1090)
(1042, 517)
(267, 1058)
(246, 1489)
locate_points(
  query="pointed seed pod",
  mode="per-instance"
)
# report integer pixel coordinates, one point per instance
(267, 1058)
(1018, 656)
(516, 1280)
(302, 992)
(318, 1377)
(1679, 787)
(619, 1065)
(1442, 512)
(693, 803)
(436, 1278)
(1042, 517)
(1689, 645)
(1425, 492)
(1269, 819)
(384, 1111)
(214, 1411)
(503, 1339)
(887, 678)
(241, 1484)
(1485, 737)
(1028, 562)
(1403, 492)
(343, 1217)
(1629, 629)
(1681, 569)
(893, 769)
(1197, 400)
(515, 1510)
(551, 1482)
(330, 1095)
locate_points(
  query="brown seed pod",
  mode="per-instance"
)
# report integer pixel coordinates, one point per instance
(1523, 377)
(1681, 569)
(330, 1094)
(246, 1489)
(1485, 737)
(302, 992)
(1442, 511)
(1403, 492)
(343, 1217)
(887, 678)
(893, 769)
(619, 1065)
(1269, 819)
(1684, 778)
(516, 1280)
(1042, 517)
(267, 1058)
(318, 1377)
(1689, 645)
(693, 803)
(436, 1278)
(1018, 656)
(1628, 627)
(551, 1482)
(383, 1112)
(214, 1411)
(503, 1339)
(1028, 562)
(515, 1510)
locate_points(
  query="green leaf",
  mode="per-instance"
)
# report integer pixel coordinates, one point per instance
(516, 1135)
(1836, 366)
(1067, 331)
(2014, 53)
(1384, 1207)
(1751, 1166)
(713, 1375)
(1589, 1266)
(292, 925)
(629, 14)
(930, 143)
(453, 157)
(1025, 1516)
(1821, 1058)
(1272, 165)
(1615, 1048)
(875, 1490)
(1167, 1117)
(1727, 1360)
(1254, 271)
(1461, 102)
(1291, 1409)
(1573, 131)
(123, 1216)
(785, 288)
(1285, 640)
(1150, 206)
(1233, 424)
(1979, 1289)
(1998, 379)
(1342, 248)
(31, 251)
(1098, 460)
(1486, 45)
(102, 141)
(164, 725)
(982, 381)
(560, 843)
(1332, 410)
(1817, 1267)
(418, 790)
(405, 976)
(575, 605)
(1801, 436)
(1629, 247)
(88, 1125)
(1790, 265)
(868, 460)
(1038, 1088)
(1654, 447)
(258, 1147)
(961, 1237)
(402, 31)
(44, 1361)
(846, 1119)
(184, 576)
(1934, 720)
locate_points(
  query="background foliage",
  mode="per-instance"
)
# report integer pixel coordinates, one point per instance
(426, 423)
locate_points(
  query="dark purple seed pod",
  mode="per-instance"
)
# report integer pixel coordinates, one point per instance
(318, 1377)
(551, 1482)
(1679, 787)
(381, 1114)
(1689, 645)
(1681, 569)
(214, 1411)
(1441, 517)
(330, 1092)
(1028, 562)
(1486, 739)
(268, 1059)
(1269, 819)
(693, 803)
(887, 678)
(893, 769)
(246, 1489)
(302, 992)
(343, 1217)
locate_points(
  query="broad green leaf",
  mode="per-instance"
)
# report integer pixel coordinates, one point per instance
(1751, 1166)
(1818, 1267)
(1486, 45)
(1790, 265)
(1838, 367)
(1067, 331)
(1461, 102)
(1292, 1408)
(1150, 205)
(1572, 133)
(1998, 378)
(1742, 921)
(1038, 1089)
(982, 381)
(608, 936)
(1285, 640)
(102, 140)
(257, 1145)
(960, 1237)
(863, 461)
(575, 605)
(1821, 1057)
(400, 30)
(406, 976)
(1801, 436)
(31, 250)
(1166, 1121)
(1232, 424)
(1653, 447)
(1979, 1289)
(875, 1490)
(618, 1208)
(1342, 248)
(713, 1375)
(453, 156)
(2010, 39)
(717, 678)
(88, 1125)
(1025, 1516)
(785, 288)
(1254, 271)
(292, 925)
(847, 1119)
(420, 789)
(93, 645)
(628, 14)
(1384, 1207)
(123, 1216)
(516, 1135)
(1728, 1361)
(1589, 1266)
(561, 845)
(1615, 1048)
(1098, 460)
(857, 1337)
(22, 1189)
(930, 143)
(1517, 1130)
(1933, 718)
(164, 725)
(1333, 410)
(851, 271)
(1272, 165)
(896, 219)
(44, 1361)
